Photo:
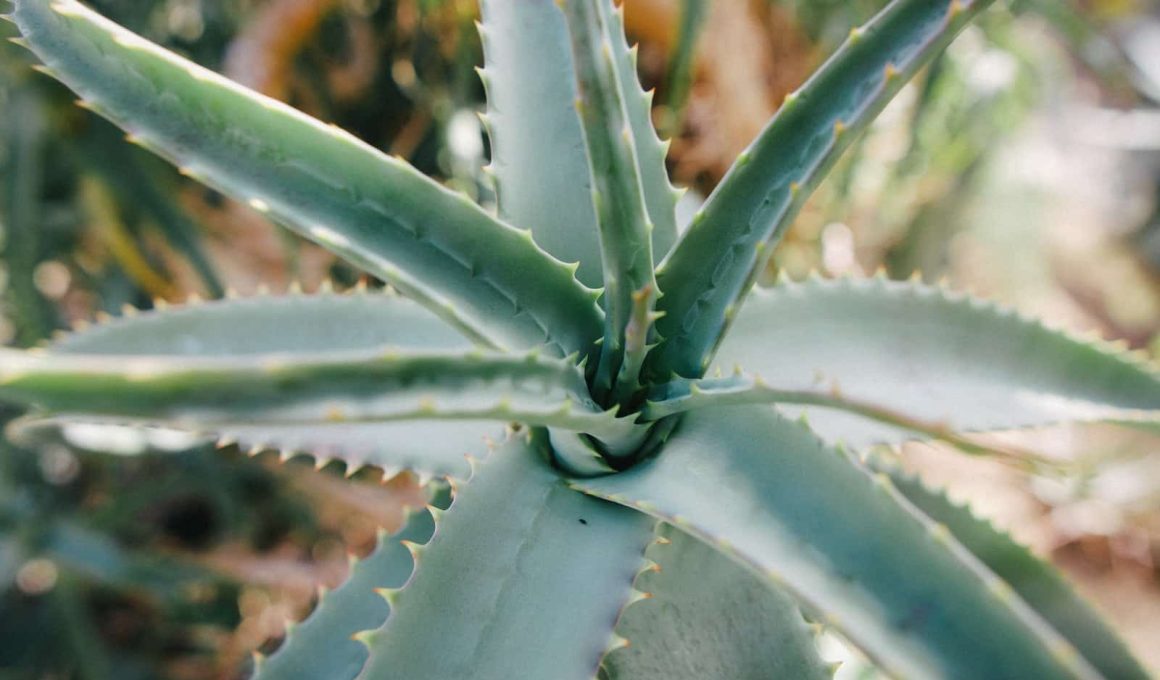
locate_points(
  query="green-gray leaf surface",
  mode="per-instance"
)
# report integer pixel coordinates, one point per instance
(538, 155)
(267, 325)
(766, 491)
(625, 228)
(524, 578)
(481, 275)
(210, 393)
(1037, 582)
(323, 645)
(428, 447)
(717, 260)
(659, 194)
(708, 617)
(925, 354)
(306, 324)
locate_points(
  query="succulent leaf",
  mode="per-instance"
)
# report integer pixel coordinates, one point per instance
(812, 520)
(906, 355)
(210, 394)
(429, 448)
(625, 227)
(486, 278)
(538, 156)
(538, 146)
(250, 327)
(755, 509)
(705, 616)
(1038, 583)
(515, 553)
(323, 645)
(659, 193)
(716, 261)
(320, 322)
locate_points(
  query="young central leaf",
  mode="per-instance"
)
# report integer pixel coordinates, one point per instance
(625, 230)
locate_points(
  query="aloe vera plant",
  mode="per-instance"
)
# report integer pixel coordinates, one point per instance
(619, 507)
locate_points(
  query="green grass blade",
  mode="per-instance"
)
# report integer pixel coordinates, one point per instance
(439, 248)
(1039, 584)
(523, 579)
(323, 646)
(538, 160)
(136, 182)
(708, 617)
(25, 138)
(716, 261)
(856, 555)
(924, 360)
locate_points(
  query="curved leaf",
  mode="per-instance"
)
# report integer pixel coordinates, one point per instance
(767, 492)
(903, 352)
(523, 579)
(429, 448)
(323, 322)
(659, 194)
(1039, 584)
(708, 617)
(538, 146)
(625, 227)
(538, 156)
(717, 260)
(306, 324)
(439, 248)
(211, 394)
(323, 645)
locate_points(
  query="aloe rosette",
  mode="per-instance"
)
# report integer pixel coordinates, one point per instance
(605, 395)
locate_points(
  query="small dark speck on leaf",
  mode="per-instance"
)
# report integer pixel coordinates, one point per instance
(584, 521)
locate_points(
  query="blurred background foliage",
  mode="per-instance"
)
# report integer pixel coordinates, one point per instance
(1024, 165)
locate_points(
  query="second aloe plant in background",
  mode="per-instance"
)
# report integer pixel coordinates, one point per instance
(635, 519)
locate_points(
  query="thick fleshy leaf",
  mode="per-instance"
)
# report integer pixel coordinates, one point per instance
(430, 448)
(717, 260)
(210, 394)
(708, 617)
(900, 352)
(767, 492)
(323, 645)
(538, 148)
(1039, 584)
(305, 324)
(659, 194)
(321, 322)
(524, 578)
(439, 248)
(622, 217)
(538, 156)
